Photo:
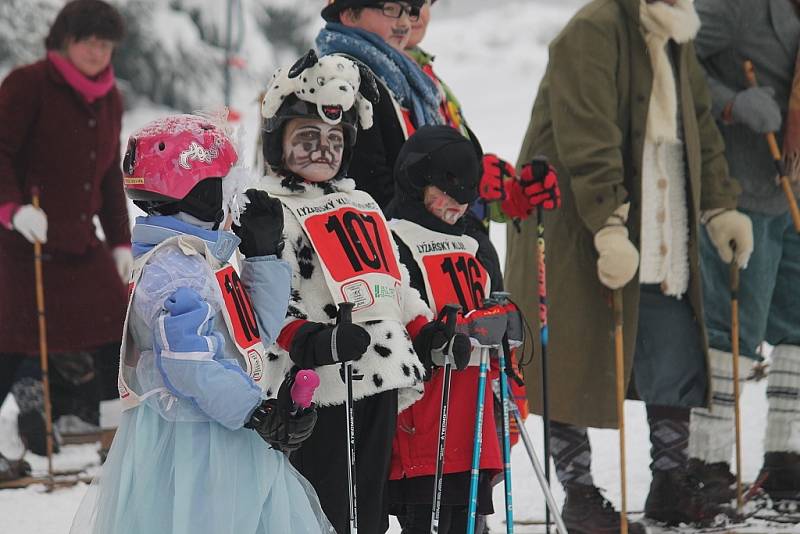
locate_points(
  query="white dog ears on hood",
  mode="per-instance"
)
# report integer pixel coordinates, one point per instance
(334, 83)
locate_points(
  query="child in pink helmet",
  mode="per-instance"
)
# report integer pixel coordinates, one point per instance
(201, 448)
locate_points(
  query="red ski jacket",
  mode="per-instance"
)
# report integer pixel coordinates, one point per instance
(415, 443)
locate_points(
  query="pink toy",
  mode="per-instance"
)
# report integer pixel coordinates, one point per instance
(305, 383)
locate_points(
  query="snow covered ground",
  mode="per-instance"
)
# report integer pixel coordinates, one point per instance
(493, 56)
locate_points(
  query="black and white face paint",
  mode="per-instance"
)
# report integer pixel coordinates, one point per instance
(313, 149)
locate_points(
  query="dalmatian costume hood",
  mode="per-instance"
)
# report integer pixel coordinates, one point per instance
(332, 89)
(335, 89)
(333, 83)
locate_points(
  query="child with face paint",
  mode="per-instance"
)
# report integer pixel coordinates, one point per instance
(437, 175)
(340, 250)
(503, 195)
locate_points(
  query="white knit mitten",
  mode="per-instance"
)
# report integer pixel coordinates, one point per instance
(732, 233)
(618, 258)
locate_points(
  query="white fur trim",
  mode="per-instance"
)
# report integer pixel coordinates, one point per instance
(665, 219)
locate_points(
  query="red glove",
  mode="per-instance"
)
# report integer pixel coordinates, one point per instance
(537, 186)
(496, 172)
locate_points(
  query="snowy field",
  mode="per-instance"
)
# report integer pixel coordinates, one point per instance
(493, 58)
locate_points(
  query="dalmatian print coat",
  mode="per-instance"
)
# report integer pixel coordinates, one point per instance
(390, 361)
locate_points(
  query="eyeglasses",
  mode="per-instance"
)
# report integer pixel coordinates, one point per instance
(395, 10)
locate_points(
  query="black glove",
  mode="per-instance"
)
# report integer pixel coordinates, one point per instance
(430, 343)
(277, 425)
(317, 344)
(261, 225)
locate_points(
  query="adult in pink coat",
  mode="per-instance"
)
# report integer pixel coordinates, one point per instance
(60, 121)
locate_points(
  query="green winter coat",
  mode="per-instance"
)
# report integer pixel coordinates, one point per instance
(589, 119)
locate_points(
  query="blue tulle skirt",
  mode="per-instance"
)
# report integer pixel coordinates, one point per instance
(164, 477)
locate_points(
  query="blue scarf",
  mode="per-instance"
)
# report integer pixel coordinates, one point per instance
(410, 85)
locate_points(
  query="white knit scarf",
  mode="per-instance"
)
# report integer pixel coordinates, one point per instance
(665, 229)
(662, 22)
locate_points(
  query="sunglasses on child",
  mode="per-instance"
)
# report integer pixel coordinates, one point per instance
(395, 10)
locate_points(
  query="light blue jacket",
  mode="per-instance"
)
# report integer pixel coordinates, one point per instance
(187, 354)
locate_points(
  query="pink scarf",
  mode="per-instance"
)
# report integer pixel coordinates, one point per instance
(90, 89)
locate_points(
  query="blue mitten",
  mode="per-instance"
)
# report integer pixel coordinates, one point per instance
(188, 324)
(185, 347)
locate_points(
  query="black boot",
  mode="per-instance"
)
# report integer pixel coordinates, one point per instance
(586, 511)
(718, 483)
(783, 475)
(13, 469)
(676, 497)
(29, 395)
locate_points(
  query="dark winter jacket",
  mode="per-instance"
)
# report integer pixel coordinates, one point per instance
(51, 138)
(376, 149)
(767, 32)
(589, 120)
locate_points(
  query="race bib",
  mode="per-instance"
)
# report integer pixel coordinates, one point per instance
(452, 273)
(351, 239)
(240, 318)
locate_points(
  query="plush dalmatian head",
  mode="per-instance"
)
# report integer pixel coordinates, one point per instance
(335, 84)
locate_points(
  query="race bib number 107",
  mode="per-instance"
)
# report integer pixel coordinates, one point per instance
(352, 243)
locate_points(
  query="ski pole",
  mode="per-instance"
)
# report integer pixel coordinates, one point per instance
(620, 371)
(449, 311)
(735, 350)
(543, 337)
(502, 298)
(477, 442)
(345, 317)
(552, 506)
(48, 410)
(750, 73)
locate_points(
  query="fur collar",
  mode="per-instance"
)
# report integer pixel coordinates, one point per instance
(292, 185)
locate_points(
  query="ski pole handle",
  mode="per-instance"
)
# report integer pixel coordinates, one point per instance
(345, 315)
(305, 383)
(450, 312)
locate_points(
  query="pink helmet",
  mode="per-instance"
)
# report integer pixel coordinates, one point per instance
(168, 157)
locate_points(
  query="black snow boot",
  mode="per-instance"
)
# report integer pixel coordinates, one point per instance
(677, 497)
(783, 475)
(29, 395)
(718, 484)
(586, 511)
(13, 469)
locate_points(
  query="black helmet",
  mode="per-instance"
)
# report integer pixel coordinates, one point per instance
(439, 156)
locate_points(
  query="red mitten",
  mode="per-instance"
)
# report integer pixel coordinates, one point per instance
(537, 186)
(496, 172)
